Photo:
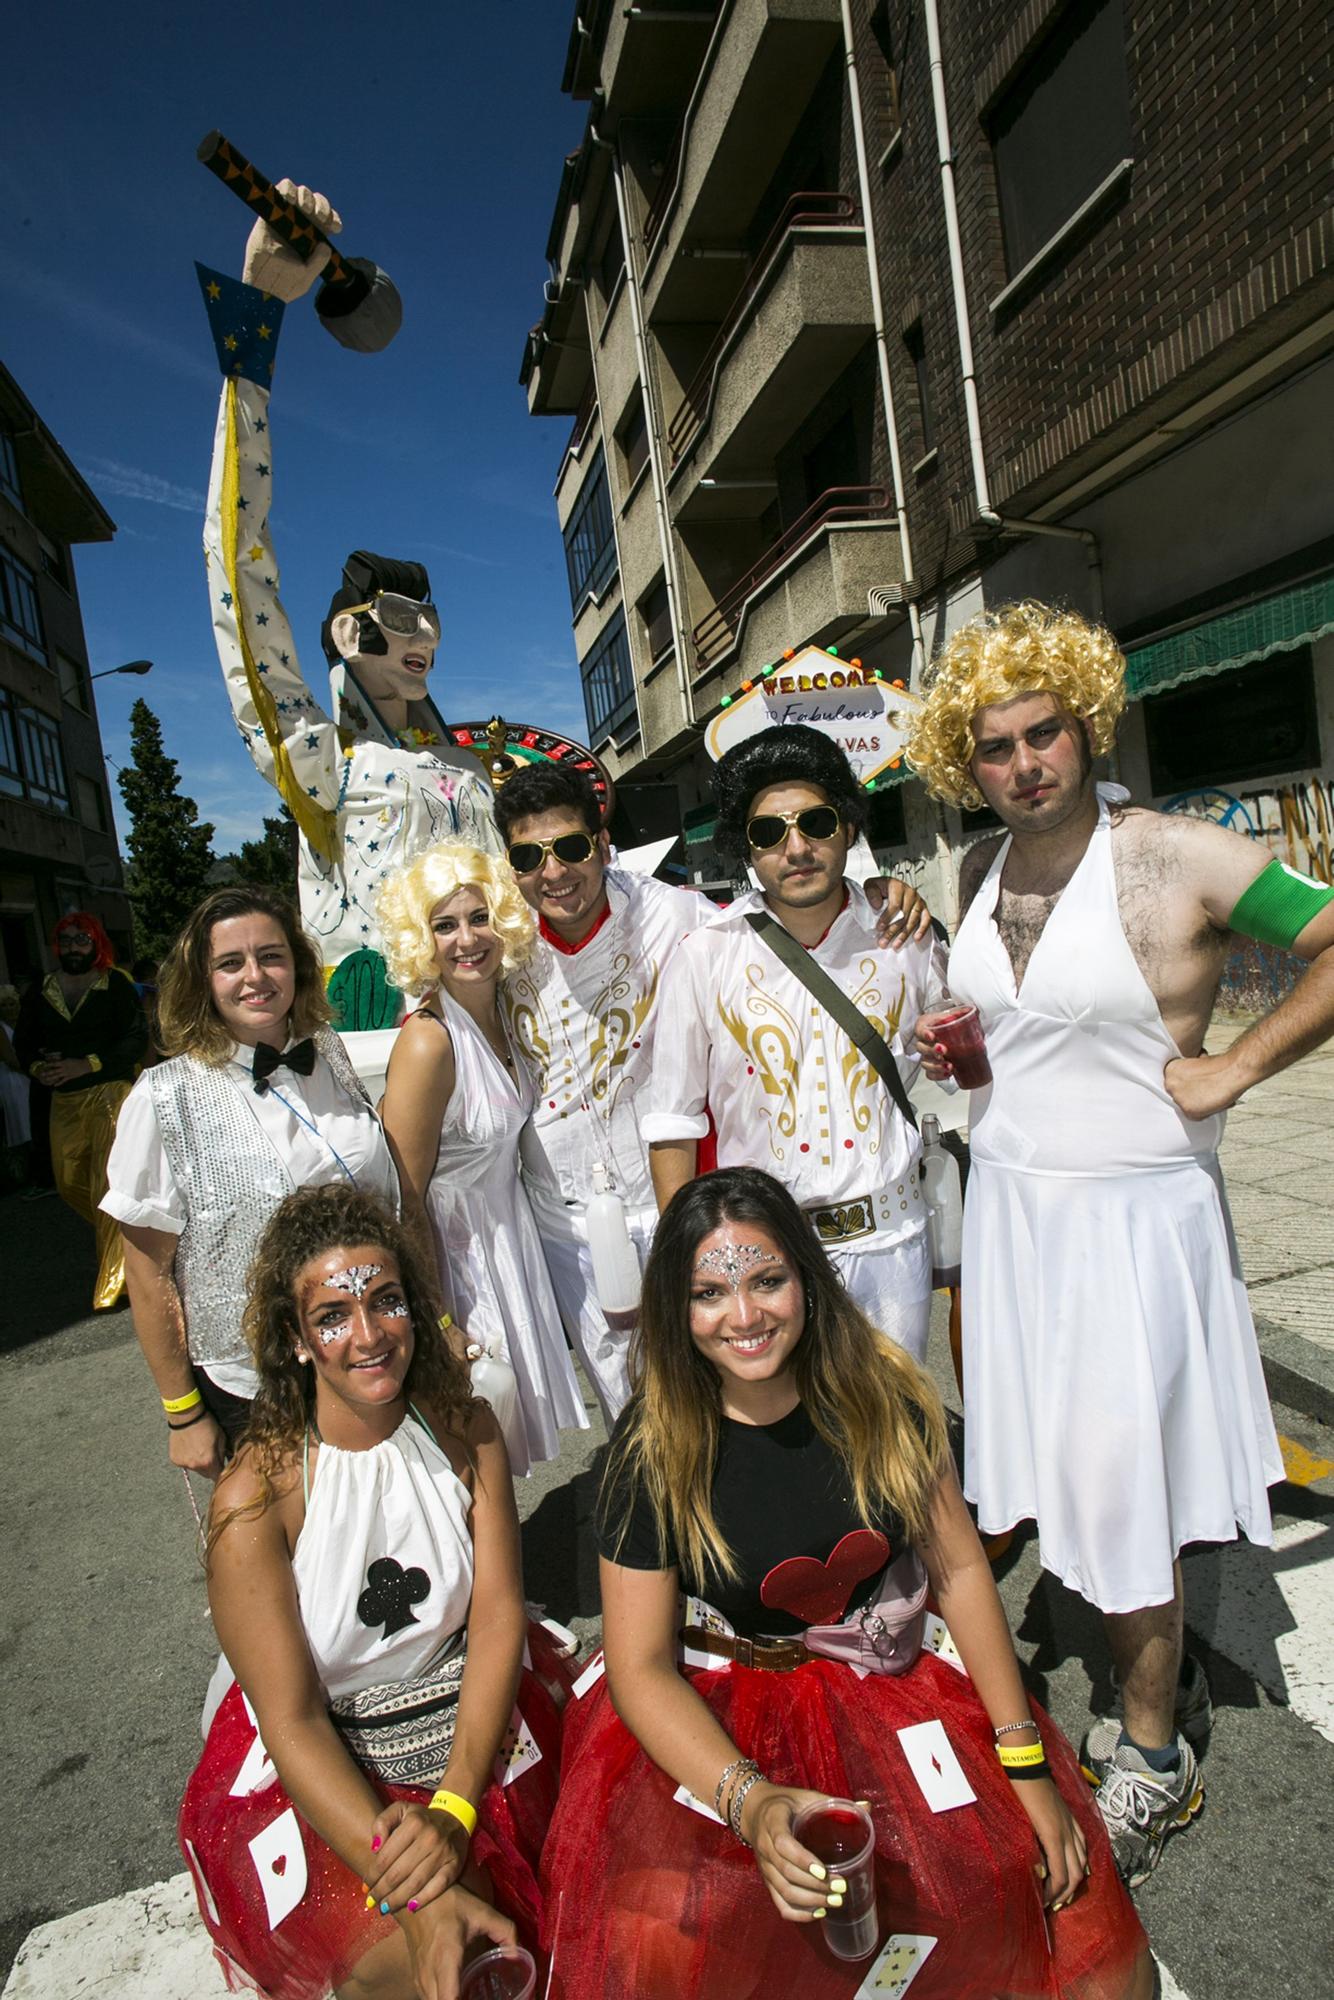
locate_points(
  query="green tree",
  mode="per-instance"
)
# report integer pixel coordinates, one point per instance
(170, 851)
(270, 863)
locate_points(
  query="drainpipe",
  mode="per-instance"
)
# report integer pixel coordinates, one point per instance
(653, 425)
(985, 511)
(882, 345)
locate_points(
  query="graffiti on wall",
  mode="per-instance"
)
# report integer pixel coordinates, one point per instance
(1296, 823)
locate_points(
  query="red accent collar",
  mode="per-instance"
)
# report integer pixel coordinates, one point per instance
(832, 921)
(559, 943)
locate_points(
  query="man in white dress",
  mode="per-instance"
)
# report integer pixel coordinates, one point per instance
(1112, 1381)
(585, 1010)
(788, 1090)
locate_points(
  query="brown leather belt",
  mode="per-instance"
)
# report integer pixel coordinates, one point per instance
(775, 1656)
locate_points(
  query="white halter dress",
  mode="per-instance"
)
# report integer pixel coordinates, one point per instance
(492, 1269)
(1112, 1381)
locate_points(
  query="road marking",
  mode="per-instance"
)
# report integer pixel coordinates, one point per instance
(1274, 1615)
(1168, 1988)
(147, 1945)
(1302, 1467)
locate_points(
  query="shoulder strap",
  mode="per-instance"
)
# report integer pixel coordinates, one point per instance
(868, 1040)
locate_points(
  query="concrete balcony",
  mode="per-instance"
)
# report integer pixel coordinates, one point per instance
(644, 57)
(810, 587)
(758, 73)
(801, 328)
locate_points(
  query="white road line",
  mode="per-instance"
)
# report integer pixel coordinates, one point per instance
(147, 1945)
(1271, 1612)
(1168, 1988)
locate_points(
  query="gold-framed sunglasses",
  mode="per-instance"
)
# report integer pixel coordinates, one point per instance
(772, 829)
(400, 615)
(527, 856)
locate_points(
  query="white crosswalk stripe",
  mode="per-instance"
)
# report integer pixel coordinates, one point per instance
(1273, 1616)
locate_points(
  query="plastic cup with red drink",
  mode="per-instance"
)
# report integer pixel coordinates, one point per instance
(839, 1833)
(959, 1033)
(507, 1973)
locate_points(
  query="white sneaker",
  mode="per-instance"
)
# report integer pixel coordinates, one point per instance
(1141, 1806)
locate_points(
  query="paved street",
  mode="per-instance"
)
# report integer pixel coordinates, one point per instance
(107, 1645)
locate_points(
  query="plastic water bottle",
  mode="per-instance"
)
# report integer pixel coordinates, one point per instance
(944, 1204)
(496, 1383)
(616, 1277)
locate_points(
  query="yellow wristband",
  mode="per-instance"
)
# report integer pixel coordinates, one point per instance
(450, 1802)
(1021, 1756)
(445, 1322)
(174, 1405)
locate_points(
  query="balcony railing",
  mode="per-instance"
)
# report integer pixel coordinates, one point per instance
(806, 208)
(714, 634)
(665, 190)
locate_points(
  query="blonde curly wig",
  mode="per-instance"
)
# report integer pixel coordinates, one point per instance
(1017, 649)
(411, 893)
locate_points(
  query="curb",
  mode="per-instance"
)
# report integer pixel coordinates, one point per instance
(1297, 1372)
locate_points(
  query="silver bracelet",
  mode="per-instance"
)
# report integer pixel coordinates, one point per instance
(1008, 1728)
(738, 1764)
(739, 1795)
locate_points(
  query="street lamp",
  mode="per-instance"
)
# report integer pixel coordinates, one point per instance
(130, 667)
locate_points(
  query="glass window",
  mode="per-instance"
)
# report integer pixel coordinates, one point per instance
(54, 563)
(590, 545)
(20, 613)
(1253, 722)
(92, 804)
(11, 775)
(9, 470)
(73, 681)
(43, 763)
(915, 343)
(609, 682)
(1062, 127)
(632, 437)
(656, 613)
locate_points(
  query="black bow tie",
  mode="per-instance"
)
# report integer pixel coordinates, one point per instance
(300, 1057)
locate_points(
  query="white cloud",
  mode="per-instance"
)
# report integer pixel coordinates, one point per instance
(132, 482)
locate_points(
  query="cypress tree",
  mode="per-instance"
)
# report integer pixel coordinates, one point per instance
(170, 852)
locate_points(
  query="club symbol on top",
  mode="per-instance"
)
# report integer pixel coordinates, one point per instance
(390, 1593)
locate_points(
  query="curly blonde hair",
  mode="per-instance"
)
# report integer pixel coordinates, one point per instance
(1026, 648)
(405, 903)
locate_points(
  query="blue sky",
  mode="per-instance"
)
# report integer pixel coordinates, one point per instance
(438, 131)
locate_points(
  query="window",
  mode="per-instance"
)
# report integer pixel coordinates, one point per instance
(9, 469)
(887, 95)
(11, 775)
(609, 682)
(632, 438)
(73, 681)
(92, 804)
(55, 563)
(590, 545)
(611, 263)
(916, 345)
(20, 613)
(1250, 723)
(656, 612)
(884, 821)
(1062, 127)
(43, 762)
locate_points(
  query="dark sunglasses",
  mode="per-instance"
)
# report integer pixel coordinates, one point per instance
(812, 823)
(526, 856)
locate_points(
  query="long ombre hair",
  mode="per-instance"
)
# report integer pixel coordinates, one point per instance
(867, 1398)
(308, 1225)
(188, 1022)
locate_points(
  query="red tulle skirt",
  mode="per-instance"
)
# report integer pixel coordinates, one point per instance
(646, 1898)
(287, 1918)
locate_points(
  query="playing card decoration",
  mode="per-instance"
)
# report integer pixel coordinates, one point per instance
(938, 1772)
(280, 1864)
(896, 1968)
(518, 1752)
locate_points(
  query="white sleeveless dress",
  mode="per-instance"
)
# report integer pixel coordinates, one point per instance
(1113, 1386)
(494, 1275)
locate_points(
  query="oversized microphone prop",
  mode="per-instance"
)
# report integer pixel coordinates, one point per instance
(357, 301)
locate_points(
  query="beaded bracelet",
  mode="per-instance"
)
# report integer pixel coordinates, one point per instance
(458, 1808)
(176, 1406)
(1008, 1728)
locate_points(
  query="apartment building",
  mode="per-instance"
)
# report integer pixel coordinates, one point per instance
(58, 847)
(869, 313)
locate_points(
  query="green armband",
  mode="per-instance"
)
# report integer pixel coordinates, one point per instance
(1279, 905)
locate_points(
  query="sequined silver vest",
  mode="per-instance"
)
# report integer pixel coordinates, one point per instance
(232, 1178)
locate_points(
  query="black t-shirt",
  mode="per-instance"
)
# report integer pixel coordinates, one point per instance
(778, 1491)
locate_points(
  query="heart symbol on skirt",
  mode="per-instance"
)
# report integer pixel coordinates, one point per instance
(818, 1592)
(279, 1864)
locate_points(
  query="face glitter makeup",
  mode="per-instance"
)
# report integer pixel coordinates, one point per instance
(397, 1309)
(336, 1330)
(355, 1279)
(733, 1261)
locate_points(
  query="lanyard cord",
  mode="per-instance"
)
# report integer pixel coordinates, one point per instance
(312, 1127)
